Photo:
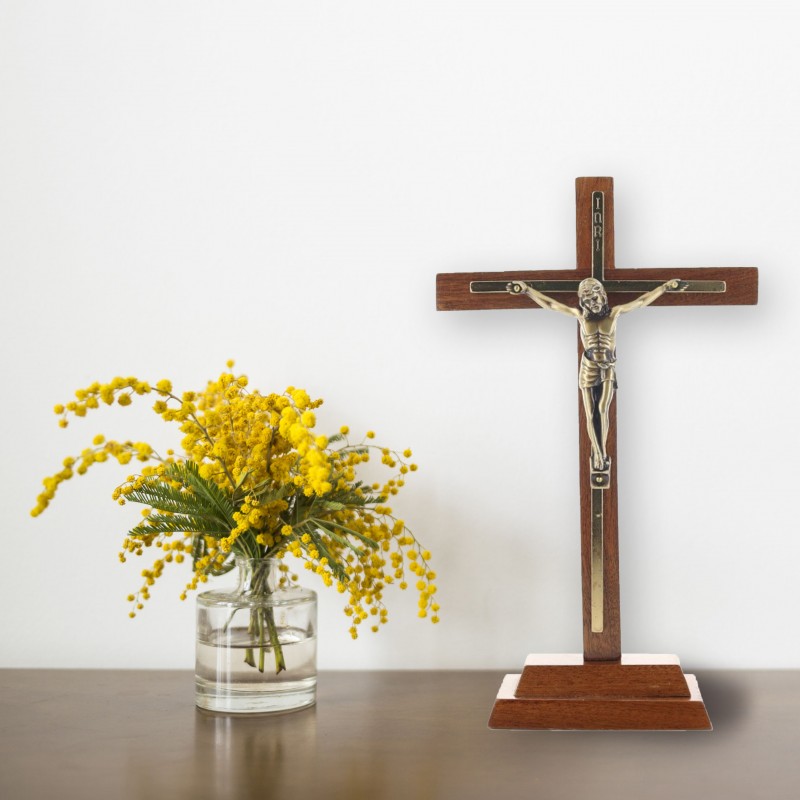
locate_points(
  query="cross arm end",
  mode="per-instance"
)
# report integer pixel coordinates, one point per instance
(453, 292)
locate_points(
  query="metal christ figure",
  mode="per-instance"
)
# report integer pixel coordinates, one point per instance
(597, 377)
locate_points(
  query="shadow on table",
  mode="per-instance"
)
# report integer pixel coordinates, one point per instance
(727, 700)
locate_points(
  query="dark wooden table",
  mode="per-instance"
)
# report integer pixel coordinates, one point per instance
(374, 735)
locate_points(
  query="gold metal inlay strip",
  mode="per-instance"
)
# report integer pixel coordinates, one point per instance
(597, 561)
(598, 235)
(611, 287)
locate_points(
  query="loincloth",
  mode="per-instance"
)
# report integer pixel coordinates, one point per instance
(595, 372)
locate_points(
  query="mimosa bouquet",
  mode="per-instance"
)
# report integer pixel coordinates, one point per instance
(256, 479)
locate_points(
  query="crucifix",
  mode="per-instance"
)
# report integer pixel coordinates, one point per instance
(602, 688)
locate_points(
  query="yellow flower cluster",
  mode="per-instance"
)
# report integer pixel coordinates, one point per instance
(257, 480)
(123, 452)
(119, 389)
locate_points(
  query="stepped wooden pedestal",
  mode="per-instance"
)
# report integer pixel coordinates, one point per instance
(564, 692)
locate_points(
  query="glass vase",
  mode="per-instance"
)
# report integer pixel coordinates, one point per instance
(256, 643)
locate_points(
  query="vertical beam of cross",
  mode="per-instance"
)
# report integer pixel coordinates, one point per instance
(594, 221)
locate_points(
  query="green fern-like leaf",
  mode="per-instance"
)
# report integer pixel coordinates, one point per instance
(196, 506)
(179, 523)
(188, 474)
(340, 540)
(329, 523)
(168, 499)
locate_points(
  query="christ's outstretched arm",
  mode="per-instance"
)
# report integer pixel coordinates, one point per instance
(675, 285)
(520, 287)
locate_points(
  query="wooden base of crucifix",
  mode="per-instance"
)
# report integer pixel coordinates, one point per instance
(602, 689)
(564, 692)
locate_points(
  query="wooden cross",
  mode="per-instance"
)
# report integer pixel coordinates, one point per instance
(598, 491)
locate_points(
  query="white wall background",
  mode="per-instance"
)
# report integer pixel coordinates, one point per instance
(281, 182)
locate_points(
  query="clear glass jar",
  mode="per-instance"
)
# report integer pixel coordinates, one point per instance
(257, 643)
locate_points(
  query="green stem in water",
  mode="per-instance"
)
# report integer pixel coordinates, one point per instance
(280, 663)
(260, 615)
(248, 653)
(262, 624)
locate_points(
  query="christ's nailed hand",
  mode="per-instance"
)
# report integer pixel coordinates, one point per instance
(677, 285)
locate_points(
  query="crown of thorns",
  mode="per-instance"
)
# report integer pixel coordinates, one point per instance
(589, 285)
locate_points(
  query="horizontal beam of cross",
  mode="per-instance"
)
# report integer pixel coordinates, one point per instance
(454, 290)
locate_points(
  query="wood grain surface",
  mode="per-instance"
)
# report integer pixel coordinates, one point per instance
(650, 676)
(384, 735)
(599, 713)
